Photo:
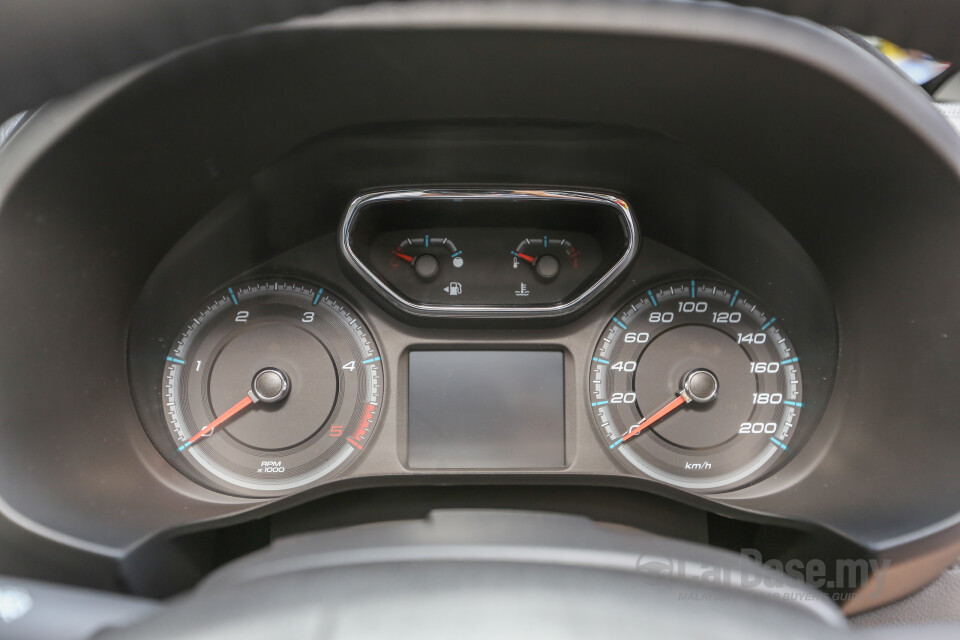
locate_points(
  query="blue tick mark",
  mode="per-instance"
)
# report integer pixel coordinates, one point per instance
(778, 443)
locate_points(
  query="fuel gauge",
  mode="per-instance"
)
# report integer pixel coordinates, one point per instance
(425, 255)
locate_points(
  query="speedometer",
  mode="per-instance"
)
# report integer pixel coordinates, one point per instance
(695, 384)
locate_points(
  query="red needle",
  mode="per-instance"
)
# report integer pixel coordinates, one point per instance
(403, 256)
(226, 415)
(672, 406)
(699, 385)
(524, 256)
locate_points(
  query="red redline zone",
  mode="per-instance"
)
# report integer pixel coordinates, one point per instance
(362, 427)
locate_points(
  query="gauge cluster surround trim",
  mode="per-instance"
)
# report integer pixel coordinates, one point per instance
(347, 248)
(96, 249)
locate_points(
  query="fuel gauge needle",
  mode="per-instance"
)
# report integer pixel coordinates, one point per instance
(247, 401)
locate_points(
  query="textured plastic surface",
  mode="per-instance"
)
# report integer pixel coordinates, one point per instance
(96, 191)
(938, 603)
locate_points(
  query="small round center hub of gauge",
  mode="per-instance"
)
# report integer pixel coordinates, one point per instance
(426, 266)
(706, 359)
(547, 267)
(270, 385)
(701, 385)
(280, 362)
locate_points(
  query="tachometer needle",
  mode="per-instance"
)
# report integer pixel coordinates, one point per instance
(699, 385)
(248, 400)
(269, 385)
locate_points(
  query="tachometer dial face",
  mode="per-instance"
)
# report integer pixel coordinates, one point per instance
(695, 384)
(271, 386)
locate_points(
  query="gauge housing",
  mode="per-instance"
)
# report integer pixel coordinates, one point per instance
(715, 442)
(309, 429)
(478, 239)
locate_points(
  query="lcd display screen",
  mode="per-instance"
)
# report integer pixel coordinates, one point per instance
(486, 410)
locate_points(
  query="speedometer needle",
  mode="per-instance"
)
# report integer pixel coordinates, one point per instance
(670, 407)
(699, 385)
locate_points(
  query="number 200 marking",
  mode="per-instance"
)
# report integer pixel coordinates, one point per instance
(758, 427)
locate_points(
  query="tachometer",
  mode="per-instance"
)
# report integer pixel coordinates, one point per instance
(695, 384)
(271, 386)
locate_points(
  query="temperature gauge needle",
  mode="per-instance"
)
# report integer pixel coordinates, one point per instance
(699, 385)
(403, 256)
(525, 257)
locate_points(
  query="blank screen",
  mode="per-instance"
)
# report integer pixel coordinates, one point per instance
(486, 410)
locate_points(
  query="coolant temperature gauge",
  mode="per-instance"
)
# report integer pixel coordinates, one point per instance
(546, 256)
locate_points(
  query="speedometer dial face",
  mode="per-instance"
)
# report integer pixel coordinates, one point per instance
(271, 386)
(695, 384)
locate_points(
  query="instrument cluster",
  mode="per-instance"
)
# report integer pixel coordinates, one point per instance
(277, 382)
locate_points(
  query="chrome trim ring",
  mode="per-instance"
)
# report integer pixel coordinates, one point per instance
(488, 311)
